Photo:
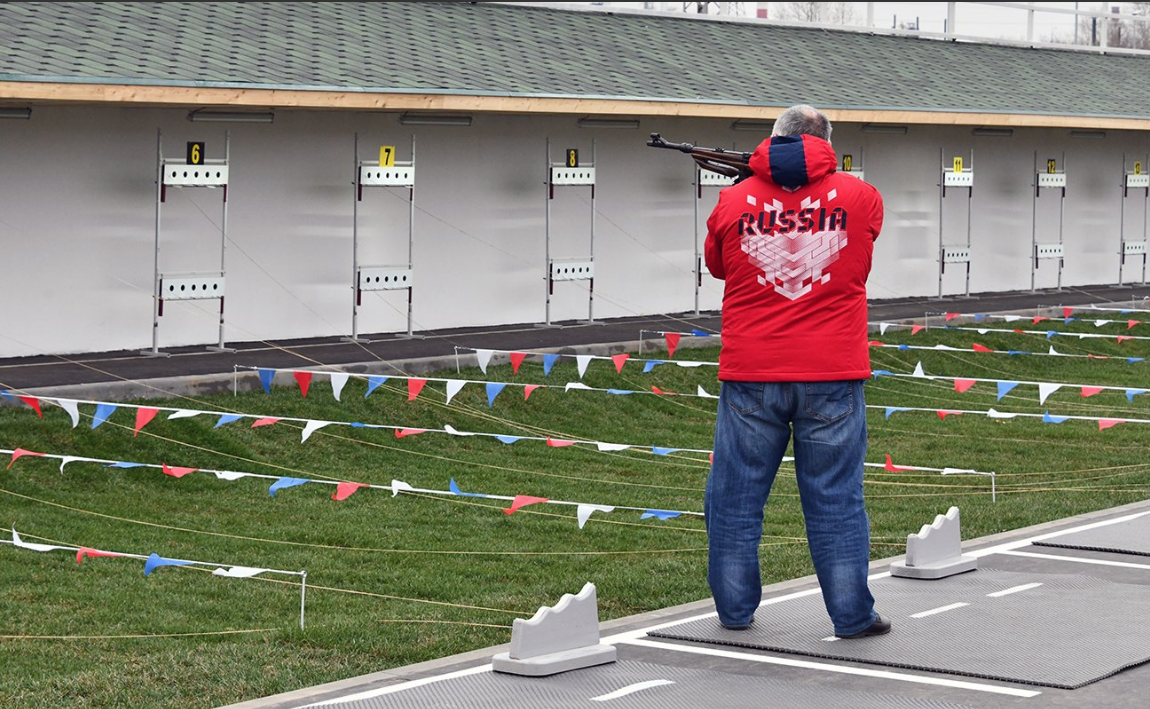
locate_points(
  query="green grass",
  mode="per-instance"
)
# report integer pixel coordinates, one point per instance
(398, 580)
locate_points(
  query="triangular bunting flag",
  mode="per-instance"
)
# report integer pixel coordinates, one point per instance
(238, 572)
(155, 561)
(20, 453)
(999, 415)
(338, 380)
(229, 476)
(516, 360)
(1045, 390)
(304, 380)
(1011, 318)
(554, 443)
(285, 482)
(891, 409)
(451, 429)
(183, 414)
(266, 379)
(663, 451)
(980, 348)
(483, 357)
(176, 472)
(398, 486)
(890, 467)
(453, 388)
(1066, 312)
(508, 439)
(1131, 393)
(1090, 391)
(72, 408)
(33, 402)
(1123, 338)
(703, 393)
(1047, 418)
(454, 487)
(575, 385)
(404, 432)
(620, 392)
(582, 361)
(918, 371)
(33, 546)
(1131, 323)
(1052, 352)
(521, 501)
(373, 383)
(528, 389)
(549, 361)
(67, 459)
(659, 514)
(914, 330)
(952, 316)
(672, 339)
(695, 332)
(144, 415)
(226, 419)
(944, 414)
(609, 447)
(883, 327)
(414, 386)
(493, 389)
(1051, 333)
(961, 385)
(103, 411)
(264, 422)
(1004, 389)
(583, 512)
(85, 551)
(651, 364)
(1104, 424)
(311, 427)
(620, 360)
(1100, 323)
(345, 490)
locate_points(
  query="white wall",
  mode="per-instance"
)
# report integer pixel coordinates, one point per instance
(77, 222)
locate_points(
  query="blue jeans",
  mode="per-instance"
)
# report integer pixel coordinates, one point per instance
(754, 426)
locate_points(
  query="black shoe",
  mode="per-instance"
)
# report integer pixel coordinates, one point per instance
(739, 627)
(878, 627)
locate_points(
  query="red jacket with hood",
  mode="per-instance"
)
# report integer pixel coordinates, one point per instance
(793, 243)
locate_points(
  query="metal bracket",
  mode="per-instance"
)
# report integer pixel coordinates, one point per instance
(1137, 180)
(572, 270)
(572, 175)
(951, 178)
(1055, 179)
(182, 175)
(708, 178)
(397, 176)
(1049, 251)
(191, 287)
(384, 277)
(956, 254)
(1133, 248)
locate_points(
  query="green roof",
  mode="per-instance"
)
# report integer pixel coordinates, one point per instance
(492, 49)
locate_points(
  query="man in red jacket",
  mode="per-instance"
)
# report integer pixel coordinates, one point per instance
(793, 244)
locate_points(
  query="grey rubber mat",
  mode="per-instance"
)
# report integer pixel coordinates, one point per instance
(1066, 632)
(676, 687)
(1129, 537)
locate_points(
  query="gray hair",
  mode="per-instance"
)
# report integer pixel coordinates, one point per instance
(803, 120)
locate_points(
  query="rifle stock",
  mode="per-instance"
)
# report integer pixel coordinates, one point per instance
(729, 163)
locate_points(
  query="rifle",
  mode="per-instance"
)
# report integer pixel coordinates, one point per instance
(725, 162)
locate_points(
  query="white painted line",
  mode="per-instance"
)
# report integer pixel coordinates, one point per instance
(631, 689)
(841, 669)
(1014, 589)
(1096, 562)
(392, 688)
(940, 609)
(830, 639)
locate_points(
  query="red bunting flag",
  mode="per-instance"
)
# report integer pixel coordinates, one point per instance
(875, 343)
(1123, 338)
(516, 360)
(528, 389)
(1094, 356)
(85, 551)
(944, 414)
(177, 472)
(33, 402)
(620, 360)
(345, 490)
(1104, 424)
(657, 390)
(672, 342)
(1090, 391)
(961, 385)
(1066, 312)
(891, 467)
(1038, 319)
(304, 379)
(414, 386)
(1018, 330)
(523, 501)
(144, 415)
(264, 422)
(20, 453)
(401, 432)
(952, 316)
(554, 443)
(915, 329)
(1131, 323)
(980, 348)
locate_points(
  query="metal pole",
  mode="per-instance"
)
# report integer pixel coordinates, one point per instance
(547, 240)
(591, 290)
(1034, 225)
(698, 187)
(941, 197)
(224, 232)
(355, 196)
(969, 215)
(411, 238)
(1061, 222)
(302, 595)
(1122, 224)
(949, 18)
(156, 254)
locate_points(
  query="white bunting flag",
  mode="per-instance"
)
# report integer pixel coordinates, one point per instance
(1011, 318)
(453, 387)
(484, 356)
(398, 486)
(703, 393)
(229, 475)
(575, 385)
(584, 512)
(451, 429)
(183, 414)
(312, 427)
(1045, 390)
(65, 460)
(983, 330)
(918, 371)
(238, 572)
(1100, 323)
(582, 361)
(72, 408)
(338, 379)
(1052, 352)
(999, 415)
(883, 327)
(690, 365)
(946, 347)
(16, 540)
(958, 471)
(608, 447)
